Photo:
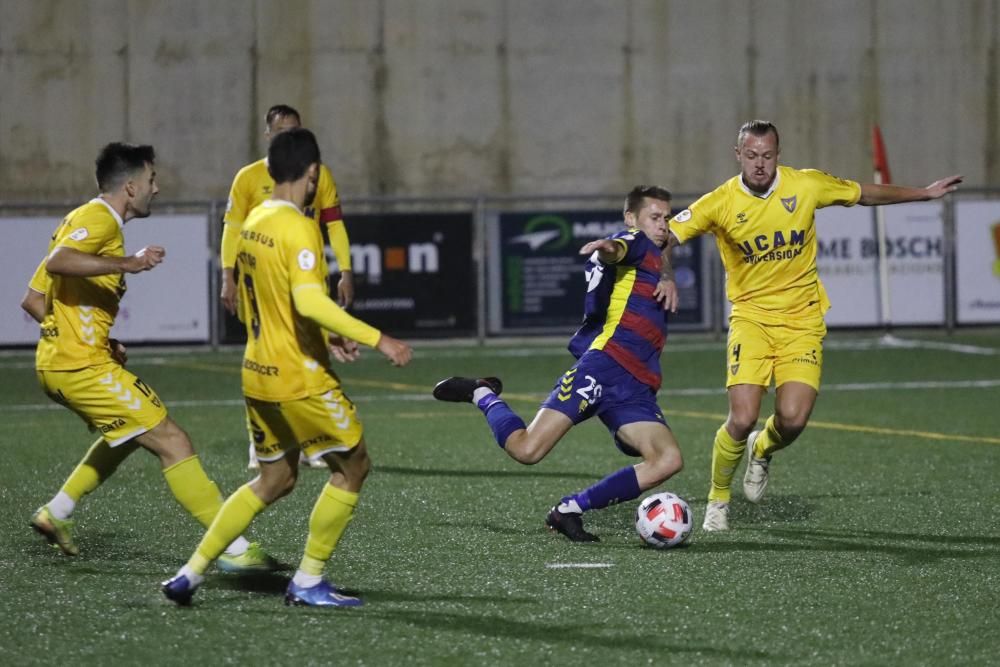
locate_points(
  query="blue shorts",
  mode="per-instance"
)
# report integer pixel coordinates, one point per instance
(598, 385)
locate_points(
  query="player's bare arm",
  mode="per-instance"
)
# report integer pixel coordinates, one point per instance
(33, 303)
(666, 289)
(398, 352)
(345, 288)
(608, 251)
(71, 262)
(873, 194)
(228, 292)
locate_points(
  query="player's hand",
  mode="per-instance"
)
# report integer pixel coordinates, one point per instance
(118, 352)
(144, 260)
(398, 352)
(345, 289)
(343, 349)
(666, 294)
(228, 293)
(939, 189)
(603, 246)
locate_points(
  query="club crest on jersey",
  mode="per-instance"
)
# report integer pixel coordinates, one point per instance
(741, 217)
(789, 203)
(307, 260)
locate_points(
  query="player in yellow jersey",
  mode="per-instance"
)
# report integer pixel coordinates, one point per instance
(294, 402)
(253, 185)
(74, 294)
(763, 223)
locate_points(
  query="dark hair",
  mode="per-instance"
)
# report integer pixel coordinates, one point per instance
(118, 161)
(757, 128)
(280, 110)
(291, 153)
(634, 199)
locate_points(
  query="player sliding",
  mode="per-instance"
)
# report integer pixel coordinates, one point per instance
(617, 373)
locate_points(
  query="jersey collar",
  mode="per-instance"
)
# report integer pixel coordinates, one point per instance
(118, 218)
(272, 203)
(774, 185)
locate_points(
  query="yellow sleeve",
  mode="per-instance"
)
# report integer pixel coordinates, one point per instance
(697, 219)
(832, 191)
(88, 232)
(311, 302)
(339, 244)
(40, 280)
(230, 240)
(328, 207)
(236, 214)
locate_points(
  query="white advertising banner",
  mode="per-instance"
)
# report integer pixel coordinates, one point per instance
(169, 303)
(848, 264)
(977, 261)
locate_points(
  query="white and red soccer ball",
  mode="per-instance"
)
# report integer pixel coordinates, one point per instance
(663, 520)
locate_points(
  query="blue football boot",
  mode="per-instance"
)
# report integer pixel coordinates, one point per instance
(323, 594)
(178, 590)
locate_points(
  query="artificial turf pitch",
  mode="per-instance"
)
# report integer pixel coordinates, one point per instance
(878, 542)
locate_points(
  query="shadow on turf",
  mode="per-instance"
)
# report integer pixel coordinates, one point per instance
(492, 474)
(573, 637)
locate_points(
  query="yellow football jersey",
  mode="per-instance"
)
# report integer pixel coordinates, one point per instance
(253, 185)
(286, 356)
(768, 242)
(80, 311)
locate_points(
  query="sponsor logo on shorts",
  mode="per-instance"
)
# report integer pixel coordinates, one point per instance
(583, 406)
(315, 441)
(107, 428)
(808, 358)
(734, 369)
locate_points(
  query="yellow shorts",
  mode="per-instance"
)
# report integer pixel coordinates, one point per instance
(317, 425)
(108, 398)
(789, 352)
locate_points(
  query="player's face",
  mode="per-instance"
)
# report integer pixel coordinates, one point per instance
(311, 185)
(652, 219)
(280, 124)
(143, 189)
(758, 158)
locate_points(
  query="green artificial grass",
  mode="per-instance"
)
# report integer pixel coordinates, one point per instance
(877, 542)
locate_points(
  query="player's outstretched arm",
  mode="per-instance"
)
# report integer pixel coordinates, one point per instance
(71, 262)
(608, 251)
(874, 194)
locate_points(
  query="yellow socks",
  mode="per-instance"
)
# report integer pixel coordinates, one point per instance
(234, 517)
(99, 463)
(726, 455)
(768, 441)
(333, 510)
(194, 490)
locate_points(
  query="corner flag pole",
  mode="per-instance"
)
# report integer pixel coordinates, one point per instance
(881, 164)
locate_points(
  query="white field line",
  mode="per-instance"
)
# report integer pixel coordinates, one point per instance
(23, 360)
(578, 566)
(665, 393)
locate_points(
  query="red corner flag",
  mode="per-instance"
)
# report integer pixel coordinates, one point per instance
(881, 161)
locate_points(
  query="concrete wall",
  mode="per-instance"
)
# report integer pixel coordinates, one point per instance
(441, 97)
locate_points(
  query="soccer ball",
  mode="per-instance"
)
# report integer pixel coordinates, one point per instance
(663, 520)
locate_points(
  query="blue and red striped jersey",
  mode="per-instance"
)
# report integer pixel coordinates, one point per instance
(621, 317)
